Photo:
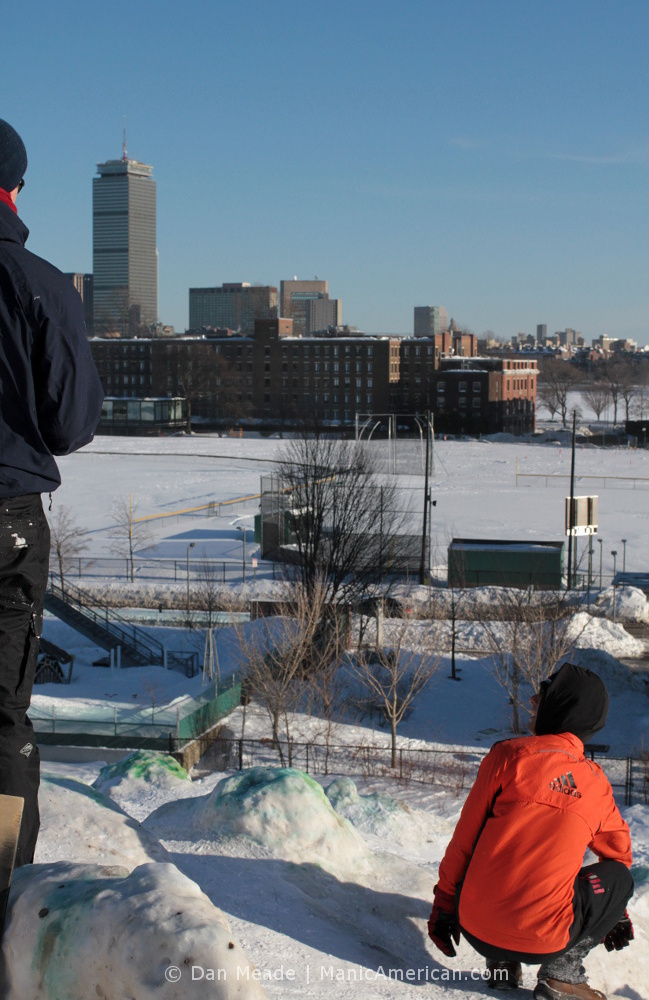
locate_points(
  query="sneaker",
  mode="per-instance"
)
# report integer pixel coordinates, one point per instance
(504, 975)
(554, 989)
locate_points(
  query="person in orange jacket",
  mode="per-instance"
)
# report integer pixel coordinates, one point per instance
(513, 879)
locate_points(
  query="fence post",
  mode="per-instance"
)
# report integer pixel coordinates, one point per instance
(307, 758)
(53, 718)
(401, 762)
(241, 755)
(115, 718)
(628, 786)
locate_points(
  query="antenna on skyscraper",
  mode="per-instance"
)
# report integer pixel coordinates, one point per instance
(124, 156)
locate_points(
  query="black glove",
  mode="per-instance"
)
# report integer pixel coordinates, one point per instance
(443, 926)
(619, 936)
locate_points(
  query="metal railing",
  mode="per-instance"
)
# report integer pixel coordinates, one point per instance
(124, 633)
(453, 769)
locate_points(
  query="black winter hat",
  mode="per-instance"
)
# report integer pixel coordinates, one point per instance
(13, 157)
(573, 700)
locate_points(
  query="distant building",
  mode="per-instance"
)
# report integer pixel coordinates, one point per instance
(84, 285)
(235, 305)
(430, 320)
(484, 396)
(541, 333)
(294, 299)
(125, 258)
(321, 313)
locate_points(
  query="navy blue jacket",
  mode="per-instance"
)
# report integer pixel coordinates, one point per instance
(50, 393)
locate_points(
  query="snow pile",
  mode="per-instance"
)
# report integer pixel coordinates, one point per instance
(99, 932)
(606, 636)
(631, 604)
(378, 815)
(280, 809)
(143, 770)
(78, 822)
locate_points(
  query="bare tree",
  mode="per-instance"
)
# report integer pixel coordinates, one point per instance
(597, 396)
(345, 519)
(67, 541)
(394, 674)
(280, 656)
(528, 634)
(130, 532)
(556, 379)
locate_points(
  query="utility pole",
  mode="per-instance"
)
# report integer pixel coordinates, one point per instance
(422, 563)
(571, 501)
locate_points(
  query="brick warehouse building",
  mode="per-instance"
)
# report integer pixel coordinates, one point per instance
(274, 378)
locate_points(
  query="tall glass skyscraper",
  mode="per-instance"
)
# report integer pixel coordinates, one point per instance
(125, 259)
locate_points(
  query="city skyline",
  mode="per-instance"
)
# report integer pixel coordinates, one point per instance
(492, 158)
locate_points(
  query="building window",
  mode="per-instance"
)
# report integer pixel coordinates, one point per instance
(461, 387)
(476, 386)
(476, 404)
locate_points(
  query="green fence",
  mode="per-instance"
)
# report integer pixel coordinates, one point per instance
(166, 729)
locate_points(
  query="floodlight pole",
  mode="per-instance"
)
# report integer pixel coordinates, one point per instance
(599, 540)
(422, 562)
(190, 546)
(624, 555)
(571, 501)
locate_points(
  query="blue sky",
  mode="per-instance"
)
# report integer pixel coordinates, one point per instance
(486, 155)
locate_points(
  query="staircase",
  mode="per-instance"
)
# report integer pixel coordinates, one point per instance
(102, 626)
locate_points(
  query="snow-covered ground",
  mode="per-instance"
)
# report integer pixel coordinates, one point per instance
(323, 883)
(474, 483)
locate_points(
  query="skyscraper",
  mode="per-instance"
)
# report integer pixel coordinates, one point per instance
(294, 297)
(125, 259)
(430, 320)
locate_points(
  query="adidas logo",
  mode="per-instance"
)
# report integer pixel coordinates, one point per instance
(566, 785)
(27, 749)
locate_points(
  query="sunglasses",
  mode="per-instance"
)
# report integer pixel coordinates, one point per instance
(21, 186)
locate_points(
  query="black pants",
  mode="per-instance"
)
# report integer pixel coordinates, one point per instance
(24, 560)
(601, 893)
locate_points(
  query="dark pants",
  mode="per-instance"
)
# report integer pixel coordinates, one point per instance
(601, 894)
(24, 560)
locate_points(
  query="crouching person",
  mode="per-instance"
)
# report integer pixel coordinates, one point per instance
(512, 879)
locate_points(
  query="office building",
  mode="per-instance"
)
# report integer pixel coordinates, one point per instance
(294, 298)
(321, 313)
(84, 285)
(232, 306)
(125, 258)
(430, 320)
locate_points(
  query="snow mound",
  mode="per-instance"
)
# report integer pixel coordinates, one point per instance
(631, 604)
(99, 932)
(279, 808)
(608, 637)
(141, 765)
(78, 822)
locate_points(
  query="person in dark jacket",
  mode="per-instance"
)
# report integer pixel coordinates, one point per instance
(50, 404)
(512, 879)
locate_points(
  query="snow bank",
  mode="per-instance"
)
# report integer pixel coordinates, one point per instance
(631, 604)
(141, 765)
(99, 932)
(280, 809)
(379, 815)
(78, 822)
(604, 635)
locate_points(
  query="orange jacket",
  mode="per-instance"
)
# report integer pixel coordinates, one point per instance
(535, 807)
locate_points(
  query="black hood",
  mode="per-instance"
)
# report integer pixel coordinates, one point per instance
(573, 700)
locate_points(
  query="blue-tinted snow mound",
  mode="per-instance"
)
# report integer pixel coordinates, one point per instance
(279, 808)
(81, 931)
(147, 766)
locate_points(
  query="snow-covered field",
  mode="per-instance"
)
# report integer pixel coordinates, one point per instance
(146, 881)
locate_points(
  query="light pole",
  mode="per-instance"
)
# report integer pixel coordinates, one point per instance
(190, 546)
(614, 554)
(599, 542)
(624, 555)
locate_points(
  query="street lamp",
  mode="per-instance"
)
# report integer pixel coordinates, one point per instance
(624, 555)
(599, 542)
(242, 529)
(614, 554)
(190, 546)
